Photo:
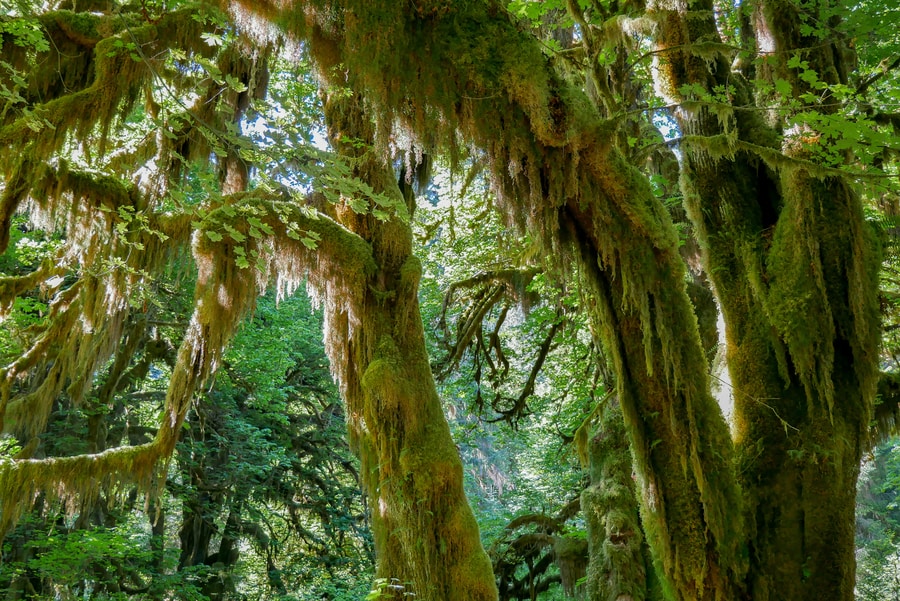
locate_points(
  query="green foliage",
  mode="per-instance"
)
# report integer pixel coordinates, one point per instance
(878, 525)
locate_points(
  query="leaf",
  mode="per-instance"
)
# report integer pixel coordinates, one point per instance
(259, 224)
(235, 235)
(213, 235)
(235, 84)
(783, 87)
(212, 39)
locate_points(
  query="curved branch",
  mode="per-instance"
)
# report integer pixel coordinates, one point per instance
(490, 287)
(13, 286)
(290, 241)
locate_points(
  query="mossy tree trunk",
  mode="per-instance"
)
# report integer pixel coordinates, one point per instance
(620, 567)
(795, 271)
(427, 542)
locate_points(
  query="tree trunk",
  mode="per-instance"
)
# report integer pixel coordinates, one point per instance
(794, 269)
(426, 540)
(619, 567)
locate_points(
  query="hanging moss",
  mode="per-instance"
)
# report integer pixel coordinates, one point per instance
(822, 259)
(800, 338)
(98, 80)
(14, 286)
(85, 320)
(76, 481)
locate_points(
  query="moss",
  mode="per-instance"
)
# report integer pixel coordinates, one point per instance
(76, 481)
(618, 564)
(822, 257)
(97, 81)
(17, 186)
(80, 27)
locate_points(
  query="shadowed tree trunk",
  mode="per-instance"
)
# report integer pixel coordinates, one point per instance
(620, 567)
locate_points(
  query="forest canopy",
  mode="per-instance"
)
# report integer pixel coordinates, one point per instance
(607, 290)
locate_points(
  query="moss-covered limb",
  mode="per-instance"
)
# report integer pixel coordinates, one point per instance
(514, 279)
(707, 311)
(688, 492)
(94, 90)
(16, 187)
(823, 292)
(724, 146)
(14, 286)
(77, 480)
(85, 326)
(608, 40)
(27, 413)
(289, 242)
(482, 292)
(223, 295)
(470, 324)
(68, 50)
(61, 197)
(114, 248)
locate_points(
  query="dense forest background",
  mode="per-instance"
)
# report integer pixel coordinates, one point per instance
(211, 213)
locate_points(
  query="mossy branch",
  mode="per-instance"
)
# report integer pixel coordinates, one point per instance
(101, 88)
(77, 481)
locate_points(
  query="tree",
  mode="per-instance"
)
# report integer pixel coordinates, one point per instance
(805, 329)
(357, 259)
(766, 165)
